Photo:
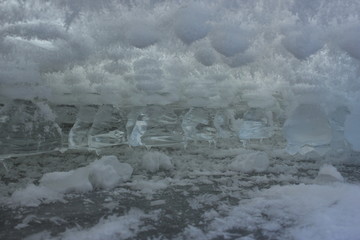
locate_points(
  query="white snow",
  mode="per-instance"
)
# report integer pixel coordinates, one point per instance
(33, 196)
(106, 173)
(298, 212)
(155, 161)
(328, 173)
(112, 227)
(72, 181)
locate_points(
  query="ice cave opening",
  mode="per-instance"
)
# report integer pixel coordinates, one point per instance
(168, 119)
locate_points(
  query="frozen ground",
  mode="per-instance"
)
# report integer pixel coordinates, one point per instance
(201, 196)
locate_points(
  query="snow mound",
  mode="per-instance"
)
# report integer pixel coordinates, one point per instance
(122, 227)
(250, 162)
(109, 172)
(155, 161)
(71, 181)
(106, 172)
(328, 173)
(298, 212)
(33, 196)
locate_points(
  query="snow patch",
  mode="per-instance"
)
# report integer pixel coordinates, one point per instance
(106, 172)
(155, 161)
(328, 173)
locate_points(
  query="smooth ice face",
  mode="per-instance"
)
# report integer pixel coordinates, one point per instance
(154, 126)
(27, 127)
(78, 136)
(108, 128)
(197, 125)
(256, 124)
(306, 129)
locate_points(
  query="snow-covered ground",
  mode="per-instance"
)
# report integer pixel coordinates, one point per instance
(202, 192)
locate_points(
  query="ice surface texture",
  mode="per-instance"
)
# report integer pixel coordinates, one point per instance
(189, 56)
(307, 129)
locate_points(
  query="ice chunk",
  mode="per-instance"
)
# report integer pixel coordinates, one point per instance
(155, 161)
(197, 125)
(108, 172)
(250, 162)
(328, 174)
(78, 136)
(154, 126)
(135, 127)
(108, 128)
(352, 129)
(222, 123)
(256, 124)
(65, 118)
(27, 127)
(307, 129)
(337, 121)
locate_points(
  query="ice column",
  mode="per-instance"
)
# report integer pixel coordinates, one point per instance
(78, 136)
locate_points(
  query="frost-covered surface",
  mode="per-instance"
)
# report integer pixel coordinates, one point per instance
(200, 193)
(170, 119)
(187, 54)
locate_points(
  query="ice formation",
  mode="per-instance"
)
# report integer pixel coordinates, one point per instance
(179, 119)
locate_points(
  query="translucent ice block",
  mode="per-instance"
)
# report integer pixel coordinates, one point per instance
(28, 127)
(154, 126)
(78, 136)
(197, 125)
(256, 124)
(108, 128)
(307, 129)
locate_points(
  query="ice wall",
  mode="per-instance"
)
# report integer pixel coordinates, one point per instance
(184, 54)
